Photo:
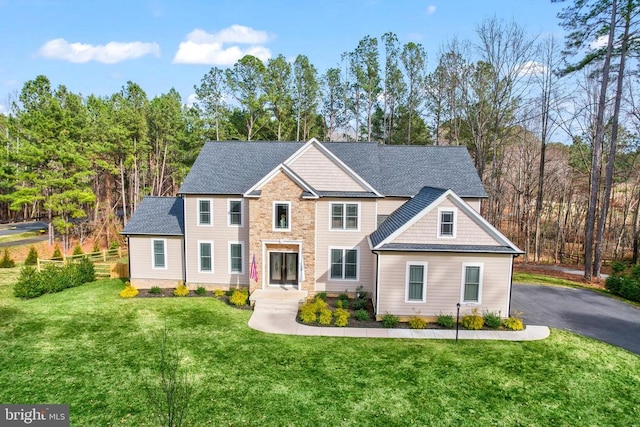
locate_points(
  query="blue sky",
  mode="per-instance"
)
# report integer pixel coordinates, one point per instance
(95, 47)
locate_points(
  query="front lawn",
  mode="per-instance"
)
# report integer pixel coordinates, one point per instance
(90, 349)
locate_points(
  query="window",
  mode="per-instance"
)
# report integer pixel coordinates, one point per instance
(204, 212)
(159, 254)
(446, 223)
(344, 264)
(205, 257)
(236, 262)
(235, 213)
(282, 216)
(344, 216)
(416, 278)
(472, 283)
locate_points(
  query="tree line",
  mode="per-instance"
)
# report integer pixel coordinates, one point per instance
(84, 163)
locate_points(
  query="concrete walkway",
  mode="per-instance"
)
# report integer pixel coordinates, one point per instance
(275, 312)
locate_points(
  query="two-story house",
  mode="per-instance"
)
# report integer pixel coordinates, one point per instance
(399, 222)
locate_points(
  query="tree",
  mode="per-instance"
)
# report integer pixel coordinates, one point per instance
(306, 92)
(279, 94)
(333, 102)
(414, 60)
(246, 82)
(394, 86)
(211, 100)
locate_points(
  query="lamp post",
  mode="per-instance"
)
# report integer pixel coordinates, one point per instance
(457, 321)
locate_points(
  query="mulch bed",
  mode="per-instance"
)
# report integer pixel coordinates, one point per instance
(168, 293)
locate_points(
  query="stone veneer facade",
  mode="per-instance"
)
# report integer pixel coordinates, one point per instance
(302, 217)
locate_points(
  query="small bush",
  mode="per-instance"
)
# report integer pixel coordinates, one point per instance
(473, 321)
(343, 296)
(86, 270)
(625, 283)
(614, 283)
(229, 292)
(114, 245)
(6, 261)
(308, 313)
(29, 284)
(319, 304)
(77, 250)
(96, 247)
(342, 303)
(360, 293)
(416, 322)
(359, 304)
(155, 290)
(218, 293)
(32, 256)
(57, 253)
(239, 297)
(445, 320)
(322, 296)
(129, 291)
(325, 316)
(201, 290)
(390, 321)
(362, 315)
(341, 317)
(513, 323)
(492, 320)
(630, 289)
(181, 290)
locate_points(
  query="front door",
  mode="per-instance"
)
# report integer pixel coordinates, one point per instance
(283, 268)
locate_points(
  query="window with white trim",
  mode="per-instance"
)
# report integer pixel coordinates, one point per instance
(205, 257)
(446, 222)
(159, 253)
(235, 213)
(344, 264)
(344, 216)
(204, 212)
(416, 282)
(282, 216)
(472, 283)
(236, 257)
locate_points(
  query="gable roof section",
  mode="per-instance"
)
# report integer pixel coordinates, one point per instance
(427, 199)
(162, 216)
(308, 191)
(233, 167)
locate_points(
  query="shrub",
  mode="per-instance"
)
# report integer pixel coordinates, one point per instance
(114, 245)
(308, 313)
(319, 304)
(416, 322)
(96, 247)
(181, 290)
(362, 315)
(155, 290)
(6, 261)
(614, 283)
(52, 278)
(201, 290)
(57, 253)
(29, 284)
(360, 293)
(626, 284)
(343, 296)
(618, 268)
(342, 317)
(390, 321)
(492, 320)
(321, 295)
(342, 303)
(513, 323)
(239, 297)
(630, 289)
(86, 270)
(325, 316)
(445, 320)
(229, 292)
(77, 250)
(359, 304)
(129, 291)
(473, 321)
(218, 293)
(32, 256)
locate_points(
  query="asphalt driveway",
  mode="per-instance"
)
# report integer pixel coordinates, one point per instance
(582, 311)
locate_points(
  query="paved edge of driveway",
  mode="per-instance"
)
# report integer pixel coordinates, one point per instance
(280, 318)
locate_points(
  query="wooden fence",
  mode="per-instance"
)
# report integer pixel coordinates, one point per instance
(105, 263)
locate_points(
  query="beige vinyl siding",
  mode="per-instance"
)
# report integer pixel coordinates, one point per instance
(425, 230)
(220, 234)
(444, 283)
(141, 258)
(322, 173)
(327, 238)
(474, 203)
(389, 204)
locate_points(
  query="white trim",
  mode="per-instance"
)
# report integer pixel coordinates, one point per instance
(268, 265)
(424, 282)
(287, 171)
(344, 216)
(454, 225)
(153, 254)
(242, 257)
(343, 279)
(241, 213)
(274, 219)
(200, 270)
(480, 280)
(210, 224)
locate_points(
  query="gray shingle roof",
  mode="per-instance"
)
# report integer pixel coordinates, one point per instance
(405, 212)
(162, 216)
(233, 167)
(411, 247)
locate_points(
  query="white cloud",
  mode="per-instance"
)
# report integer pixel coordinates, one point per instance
(431, 9)
(209, 48)
(110, 53)
(192, 99)
(599, 43)
(3, 109)
(531, 68)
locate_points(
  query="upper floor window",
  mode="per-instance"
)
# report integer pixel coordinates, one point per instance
(204, 212)
(344, 216)
(159, 253)
(282, 216)
(446, 222)
(235, 213)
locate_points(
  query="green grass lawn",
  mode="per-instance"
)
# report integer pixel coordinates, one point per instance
(90, 349)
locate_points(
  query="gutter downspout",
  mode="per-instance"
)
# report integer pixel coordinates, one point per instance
(376, 290)
(511, 285)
